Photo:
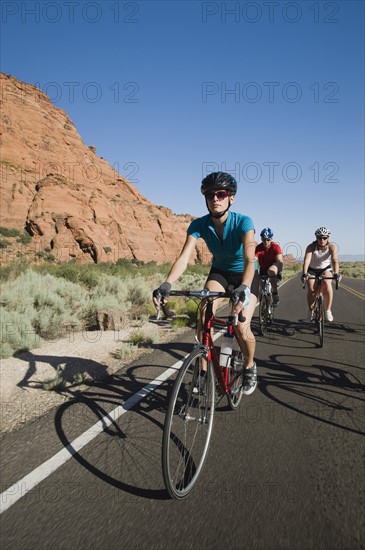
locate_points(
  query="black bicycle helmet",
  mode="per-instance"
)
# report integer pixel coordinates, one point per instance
(219, 180)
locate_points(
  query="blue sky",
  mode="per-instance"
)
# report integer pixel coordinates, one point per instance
(167, 91)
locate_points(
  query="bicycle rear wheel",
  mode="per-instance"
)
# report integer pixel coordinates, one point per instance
(188, 426)
(263, 314)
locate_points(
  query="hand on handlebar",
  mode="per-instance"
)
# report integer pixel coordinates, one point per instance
(241, 298)
(160, 293)
(304, 278)
(159, 299)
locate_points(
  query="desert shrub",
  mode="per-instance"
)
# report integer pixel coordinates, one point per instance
(291, 270)
(353, 269)
(11, 272)
(17, 332)
(56, 383)
(192, 280)
(85, 275)
(4, 243)
(45, 255)
(24, 238)
(179, 322)
(139, 339)
(9, 232)
(125, 351)
(42, 306)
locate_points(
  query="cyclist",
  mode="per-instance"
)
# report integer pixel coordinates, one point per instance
(230, 238)
(320, 258)
(270, 258)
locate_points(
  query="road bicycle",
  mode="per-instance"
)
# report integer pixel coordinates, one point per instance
(189, 418)
(266, 305)
(318, 309)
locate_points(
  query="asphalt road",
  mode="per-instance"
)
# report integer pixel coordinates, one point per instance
(285, 471)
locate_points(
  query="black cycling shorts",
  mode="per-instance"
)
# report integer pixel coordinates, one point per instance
(232, 279)
(312, 271)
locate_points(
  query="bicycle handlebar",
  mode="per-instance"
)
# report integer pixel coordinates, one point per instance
(205, 293)
(321, 278)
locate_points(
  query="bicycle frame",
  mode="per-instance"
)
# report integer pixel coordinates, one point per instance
(319, 280)
(210, 320)
(266, 307)
(266, 284)
(318, 308)
(222, 373)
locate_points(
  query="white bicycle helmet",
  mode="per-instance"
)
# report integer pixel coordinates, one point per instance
(322, 232)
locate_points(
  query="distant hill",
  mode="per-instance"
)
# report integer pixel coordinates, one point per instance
(289, 259)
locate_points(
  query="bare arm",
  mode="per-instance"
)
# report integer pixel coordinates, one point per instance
(182, 261)
(335, 259)
(307, 258)
(249, 247)
(279, 262)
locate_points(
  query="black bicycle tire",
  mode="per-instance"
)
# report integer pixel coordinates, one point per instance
(321, 320)
(271, 309)
(172, 444)
(263, 313)
(235, 398)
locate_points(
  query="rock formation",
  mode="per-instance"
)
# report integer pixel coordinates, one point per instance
(69, 200)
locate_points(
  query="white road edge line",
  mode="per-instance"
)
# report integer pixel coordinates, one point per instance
(18, 490)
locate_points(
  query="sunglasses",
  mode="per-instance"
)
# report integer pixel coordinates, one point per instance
(221, 195)
(322, 238)
(265, 240)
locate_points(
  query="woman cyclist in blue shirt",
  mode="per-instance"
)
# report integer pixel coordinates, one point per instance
(230, 238)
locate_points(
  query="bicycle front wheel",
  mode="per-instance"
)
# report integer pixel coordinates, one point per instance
(263, 313)
(188, 425)
(270, 310)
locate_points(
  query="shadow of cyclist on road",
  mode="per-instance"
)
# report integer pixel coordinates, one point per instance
(69, 367)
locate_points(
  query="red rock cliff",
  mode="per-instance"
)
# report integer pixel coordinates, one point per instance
(66, 197)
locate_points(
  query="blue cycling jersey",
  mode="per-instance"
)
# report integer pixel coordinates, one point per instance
(227, 254)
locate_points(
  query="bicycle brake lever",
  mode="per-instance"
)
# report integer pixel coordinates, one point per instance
(158, 306)
(234, 300)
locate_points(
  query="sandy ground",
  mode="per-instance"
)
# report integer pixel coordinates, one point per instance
(22, 396)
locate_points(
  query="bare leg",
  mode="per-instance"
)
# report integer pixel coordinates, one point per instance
(244, 334)
(273, 270)
(327, 291)
(311, 293)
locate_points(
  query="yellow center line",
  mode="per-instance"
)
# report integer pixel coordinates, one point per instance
(352, 291)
